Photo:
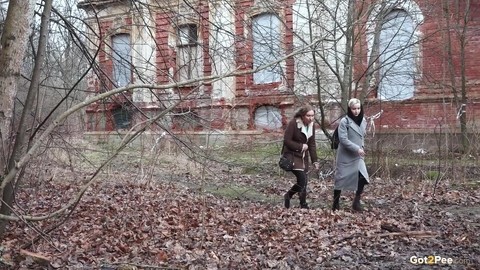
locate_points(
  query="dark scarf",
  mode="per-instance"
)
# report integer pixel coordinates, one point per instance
(357, 119)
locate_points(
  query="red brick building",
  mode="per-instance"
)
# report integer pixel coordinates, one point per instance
(443, 64)
(417, 61)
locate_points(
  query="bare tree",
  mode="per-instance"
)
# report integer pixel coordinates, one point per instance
(458, 16)
(13, 41)
(350, 32)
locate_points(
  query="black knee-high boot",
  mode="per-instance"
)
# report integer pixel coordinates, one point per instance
(300, 187)
(287, 198)
(303, 199)
(357, 206)
(336, 199)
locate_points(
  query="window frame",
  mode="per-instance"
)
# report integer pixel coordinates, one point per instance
(189, 54)
(397, 64)
(274, 73)
(122, 67)
(122, 117)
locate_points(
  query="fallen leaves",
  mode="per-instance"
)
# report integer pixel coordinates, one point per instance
(175, 226)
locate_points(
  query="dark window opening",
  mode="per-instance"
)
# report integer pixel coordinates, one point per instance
(122, 117)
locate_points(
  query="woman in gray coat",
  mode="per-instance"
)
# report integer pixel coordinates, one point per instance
(351, 171)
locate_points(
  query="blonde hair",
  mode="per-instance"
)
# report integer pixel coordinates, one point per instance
(353, 101)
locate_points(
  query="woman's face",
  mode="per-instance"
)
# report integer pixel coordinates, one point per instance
(308, 117)
(355, 109)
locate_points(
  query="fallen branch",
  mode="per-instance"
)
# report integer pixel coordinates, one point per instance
(406, 233)
(390, 234)
(134, 266)
(36, 257)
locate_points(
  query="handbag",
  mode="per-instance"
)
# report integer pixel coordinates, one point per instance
(285, 163)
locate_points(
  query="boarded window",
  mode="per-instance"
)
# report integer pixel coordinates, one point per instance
(188, 54)
(268, 117)
(266, 48)
(397, 57)
(122, 67)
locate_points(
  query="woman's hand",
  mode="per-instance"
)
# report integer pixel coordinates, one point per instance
(361, 152)
(304, 147)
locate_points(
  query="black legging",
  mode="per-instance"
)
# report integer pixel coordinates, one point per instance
(300, 186)
(361, 184)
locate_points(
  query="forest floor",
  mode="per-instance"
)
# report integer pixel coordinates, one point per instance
(234, 220)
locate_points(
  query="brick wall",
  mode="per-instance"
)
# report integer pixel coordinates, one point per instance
(439, 75)
(432, 106)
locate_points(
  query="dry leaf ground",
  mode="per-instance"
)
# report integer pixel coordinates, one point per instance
(233, 220)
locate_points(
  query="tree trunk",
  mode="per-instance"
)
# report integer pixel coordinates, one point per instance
(21, 137)
(13, 47)
(463, 70)
(346, 85)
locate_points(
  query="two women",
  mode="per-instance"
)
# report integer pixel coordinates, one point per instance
(351, 172)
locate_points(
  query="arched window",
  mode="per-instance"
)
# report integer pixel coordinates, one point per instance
(122, 60)
(268, 117)
(397, 56)
(266, 47)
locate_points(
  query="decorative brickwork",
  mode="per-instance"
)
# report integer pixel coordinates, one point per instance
(229, 104)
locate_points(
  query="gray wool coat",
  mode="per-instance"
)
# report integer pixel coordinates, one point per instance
(348, 161)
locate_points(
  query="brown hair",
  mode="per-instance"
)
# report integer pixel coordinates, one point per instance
(303, 111)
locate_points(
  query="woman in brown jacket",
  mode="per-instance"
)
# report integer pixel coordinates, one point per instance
(298, 144)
